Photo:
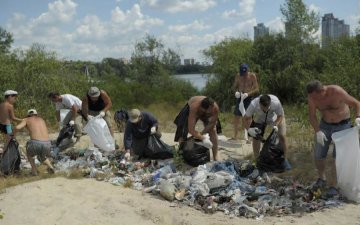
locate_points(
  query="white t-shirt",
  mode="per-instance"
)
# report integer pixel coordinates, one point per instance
(67, 102)
(259, 116)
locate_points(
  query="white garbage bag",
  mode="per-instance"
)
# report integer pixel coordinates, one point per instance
(348, 162)
(242, 107)
(63, 113)
(99, 134)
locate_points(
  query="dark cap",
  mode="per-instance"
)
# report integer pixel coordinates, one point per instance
(243, 69)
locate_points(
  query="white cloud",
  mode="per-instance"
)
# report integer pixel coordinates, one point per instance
(194, 26)
(175, 6)
(276, 25)
(59, 11)
(246, 9)
(315, 8)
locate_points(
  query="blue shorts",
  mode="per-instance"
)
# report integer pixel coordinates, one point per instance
(247, 102)
(320, 152)
(6, 129)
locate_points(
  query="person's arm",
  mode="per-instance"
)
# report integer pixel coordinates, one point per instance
(85, 107)
(152, 121)
(107, 101)
(236, 85)
(192, 122)
(312, 115)
(212, 121)
(351, 101)
(20, 126)
(128, 137)
(12, 114)
(255, 86)
(58, 115)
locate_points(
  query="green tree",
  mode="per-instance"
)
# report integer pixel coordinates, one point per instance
(6, 39)
(300, 22)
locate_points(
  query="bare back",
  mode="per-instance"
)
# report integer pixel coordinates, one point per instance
(194, 104)
(246, 83)
(37, 128)
(5, 110)
(333, 104)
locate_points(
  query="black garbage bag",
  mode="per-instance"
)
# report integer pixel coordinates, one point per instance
(64, 139)
(193, 153)
(10, 160)
(121, 115)
(157, 149)
(271, 158)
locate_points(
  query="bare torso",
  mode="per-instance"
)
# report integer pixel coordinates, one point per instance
(331, 105)
(194, 104)
(246, 83)
(5, 108)
(37, 128)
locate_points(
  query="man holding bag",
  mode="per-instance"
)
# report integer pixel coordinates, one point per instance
(246, 88)
(137, 131)
(333, 103)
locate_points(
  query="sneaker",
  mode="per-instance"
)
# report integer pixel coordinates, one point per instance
(320, 183)
(287, 165)
(332, 192)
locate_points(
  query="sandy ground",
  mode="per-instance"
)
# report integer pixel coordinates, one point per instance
(87, 201)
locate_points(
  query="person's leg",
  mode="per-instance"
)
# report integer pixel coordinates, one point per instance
(256, 147)
(49, 165)
(214, 141)
(78, 127)
(67, 118)
(320, 154)
(236, 126)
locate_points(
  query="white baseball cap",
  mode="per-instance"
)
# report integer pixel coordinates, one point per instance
(10, 92)
(31, 112)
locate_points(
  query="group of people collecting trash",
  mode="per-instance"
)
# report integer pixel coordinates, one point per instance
(256, 111)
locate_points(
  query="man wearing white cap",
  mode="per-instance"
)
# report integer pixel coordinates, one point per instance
(73, 118)
(98, 103)
(7, 115)
(137, 131)
(39, 144)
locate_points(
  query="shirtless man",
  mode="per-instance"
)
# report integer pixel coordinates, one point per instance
(246, 88)
(205, 109)
(333, 103)
(7, 115)
(39, 144)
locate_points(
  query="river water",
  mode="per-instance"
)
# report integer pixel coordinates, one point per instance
(197, 80)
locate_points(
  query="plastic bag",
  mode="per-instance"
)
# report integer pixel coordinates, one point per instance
(271, 157)
(10, 160)
(193, 153)
(99, 134)
(157, 149)
(348, 162)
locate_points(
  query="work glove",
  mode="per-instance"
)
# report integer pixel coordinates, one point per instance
(275, 128)
(71, 123)
(127, 155)
(253, 131)
(90, 117)
(321, 138)
(153, 130)
(244, 95)
(206, 141)
(101, 114)
(357, 121)
(237, 94)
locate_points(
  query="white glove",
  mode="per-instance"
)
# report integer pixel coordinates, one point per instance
(357, 121)
(237, 94)
(90, 117)
(275, 128)
(101, 114)
(244, 95)
(206, 142)
(71, 123)
(153, 130)
(321, 138)
(253, 131)
(127, 156)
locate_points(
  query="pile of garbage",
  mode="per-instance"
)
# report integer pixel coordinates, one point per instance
(235, 187)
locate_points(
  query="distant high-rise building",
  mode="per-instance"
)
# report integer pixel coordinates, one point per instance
(332, 28)
(124, 60)
(189, 61)
(260, 30)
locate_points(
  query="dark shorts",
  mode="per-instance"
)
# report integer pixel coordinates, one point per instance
(6, 129)
(247, 102)
(320, 152)
(41, 149)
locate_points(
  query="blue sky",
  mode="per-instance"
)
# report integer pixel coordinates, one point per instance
(94, 29)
